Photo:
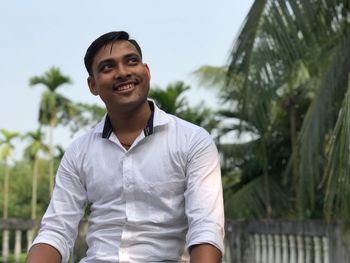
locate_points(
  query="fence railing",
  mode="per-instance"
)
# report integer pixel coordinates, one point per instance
(265, 241)
(19, 233)
(275, 241)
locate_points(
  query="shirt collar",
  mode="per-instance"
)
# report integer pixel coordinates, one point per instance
(157, 118)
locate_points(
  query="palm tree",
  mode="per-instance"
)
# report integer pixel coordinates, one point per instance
(292, 58)
(54, 107)
(172, 100)
(87, 116)
(6, 151)
(32, 151)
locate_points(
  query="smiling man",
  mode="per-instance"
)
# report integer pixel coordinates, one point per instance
(153, 180)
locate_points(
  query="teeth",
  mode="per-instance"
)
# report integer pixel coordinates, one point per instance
(125, 87)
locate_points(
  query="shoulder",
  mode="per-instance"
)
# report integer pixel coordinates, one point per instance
(192, 137)
(81, 143)
(179, 129)
(189, 129)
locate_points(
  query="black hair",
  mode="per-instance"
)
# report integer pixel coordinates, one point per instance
(104, 40)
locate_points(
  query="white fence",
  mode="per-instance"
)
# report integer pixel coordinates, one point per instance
(271, 241)
(266, 241)
(18, 233)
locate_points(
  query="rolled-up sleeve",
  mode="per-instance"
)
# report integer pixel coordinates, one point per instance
(59, 226)
(203, 195)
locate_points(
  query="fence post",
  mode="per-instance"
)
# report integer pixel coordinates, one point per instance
(285, 255)
(30, 233)
(308, 249)
(18, 247)
(278, 247)
(339, 242)
(5, 245)
(257, 248)
(293, 249)
(300, 249)
(239, 239)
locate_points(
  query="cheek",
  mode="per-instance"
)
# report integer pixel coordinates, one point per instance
(143, 92)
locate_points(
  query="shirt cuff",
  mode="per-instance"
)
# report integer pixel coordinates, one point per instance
(53, 239)
(207, 234)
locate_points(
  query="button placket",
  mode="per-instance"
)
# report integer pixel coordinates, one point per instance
(128, 193)
(128, 184)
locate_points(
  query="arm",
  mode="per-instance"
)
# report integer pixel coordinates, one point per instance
(59, 225)
(205, 253)
(43, 253)
(204, 201)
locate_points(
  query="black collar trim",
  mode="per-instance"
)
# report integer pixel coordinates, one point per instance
(149, 127)
(108, 129)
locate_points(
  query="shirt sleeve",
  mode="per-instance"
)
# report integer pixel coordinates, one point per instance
(203, 195)
(59, 226)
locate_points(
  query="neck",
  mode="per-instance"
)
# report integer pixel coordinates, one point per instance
(130, 121)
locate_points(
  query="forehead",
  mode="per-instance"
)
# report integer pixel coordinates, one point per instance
(117, 48)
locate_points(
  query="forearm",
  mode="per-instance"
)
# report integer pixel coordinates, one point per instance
(43, 253)
(205, 253)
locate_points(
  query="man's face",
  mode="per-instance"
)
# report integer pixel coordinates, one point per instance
(119, 77)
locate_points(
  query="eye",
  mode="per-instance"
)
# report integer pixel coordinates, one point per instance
(133, 60)
(105, 66)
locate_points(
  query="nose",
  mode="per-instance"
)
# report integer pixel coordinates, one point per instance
(122, 72)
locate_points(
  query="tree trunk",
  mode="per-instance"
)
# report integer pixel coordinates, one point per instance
(295, 156)
(34, 187)
(5, 233)
(266, 181)
(6, 190)
(51, 172)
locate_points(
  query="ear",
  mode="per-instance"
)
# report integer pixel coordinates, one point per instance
(92, 85)
(148, 71)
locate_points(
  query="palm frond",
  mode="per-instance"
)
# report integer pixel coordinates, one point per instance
(51, 79)
(338, 168)
(249, 201)
(211, 77)
(319, 121)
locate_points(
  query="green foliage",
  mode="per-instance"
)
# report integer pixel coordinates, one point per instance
(51, 79)
(54, 107)
(11, 258)
(173, 101)
(85, 117)
(338, 169)
(286, 82)
(20, 189)
(36, 144)
(6, 143)
(286, 86)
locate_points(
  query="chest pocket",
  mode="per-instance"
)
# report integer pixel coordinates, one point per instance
(165, 200)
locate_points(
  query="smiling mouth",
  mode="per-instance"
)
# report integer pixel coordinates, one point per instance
(123, 87)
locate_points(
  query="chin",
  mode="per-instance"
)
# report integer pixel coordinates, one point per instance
(126, 106)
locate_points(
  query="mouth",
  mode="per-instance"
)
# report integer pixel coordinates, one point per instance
(123, 86)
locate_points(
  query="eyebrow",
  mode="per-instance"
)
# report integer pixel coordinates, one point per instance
(128, 55)
(132, 55)
(104, 61)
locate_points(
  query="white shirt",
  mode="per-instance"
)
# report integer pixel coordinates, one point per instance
(149, 203)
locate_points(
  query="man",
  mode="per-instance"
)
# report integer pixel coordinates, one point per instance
(153, 179)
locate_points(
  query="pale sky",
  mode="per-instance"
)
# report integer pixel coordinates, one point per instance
(176, 37)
